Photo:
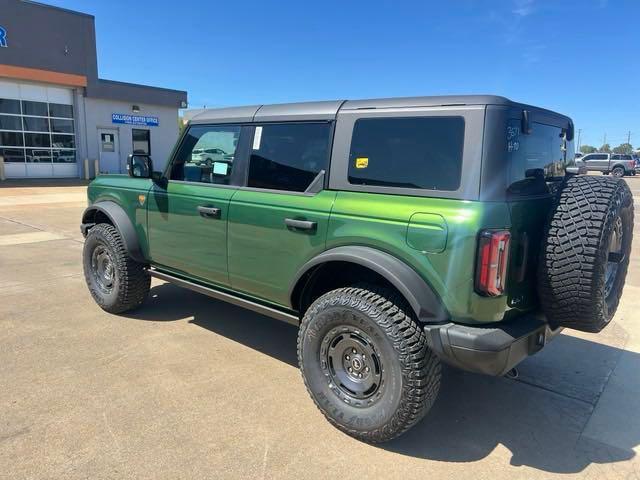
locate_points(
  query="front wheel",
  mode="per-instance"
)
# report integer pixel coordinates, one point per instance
(366, 364)
(116, 282)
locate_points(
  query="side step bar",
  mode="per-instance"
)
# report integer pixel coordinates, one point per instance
(226, 297)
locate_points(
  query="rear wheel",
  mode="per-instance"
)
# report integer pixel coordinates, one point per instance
(585, 256)
(366, 364)
(618, 172)
(116, 282)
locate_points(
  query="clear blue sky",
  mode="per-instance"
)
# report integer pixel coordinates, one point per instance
(579, 57)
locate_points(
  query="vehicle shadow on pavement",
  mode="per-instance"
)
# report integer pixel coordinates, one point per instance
(167, 302)
(541, 417)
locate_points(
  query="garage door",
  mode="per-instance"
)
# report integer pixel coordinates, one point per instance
(37, 131)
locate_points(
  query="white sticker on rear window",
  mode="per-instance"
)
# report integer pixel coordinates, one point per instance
(257, 138)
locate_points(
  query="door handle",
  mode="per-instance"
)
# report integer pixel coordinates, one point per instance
(209, 212)
(294, 224)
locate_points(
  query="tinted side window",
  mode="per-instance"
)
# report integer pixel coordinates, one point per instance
(192, 164)
(416, 152)
(288, 156)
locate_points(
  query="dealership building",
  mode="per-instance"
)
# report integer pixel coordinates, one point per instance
(54, 110)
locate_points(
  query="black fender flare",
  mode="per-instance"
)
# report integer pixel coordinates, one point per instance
(419, 294)
(120, 220)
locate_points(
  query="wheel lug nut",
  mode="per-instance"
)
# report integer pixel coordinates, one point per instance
(360, 375)
(350, 370)
(348, 357)
(366, 369)
(353, 350)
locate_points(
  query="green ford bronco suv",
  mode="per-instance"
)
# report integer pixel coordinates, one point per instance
(396, 233)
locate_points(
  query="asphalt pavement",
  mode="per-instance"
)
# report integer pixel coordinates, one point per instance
(188, 387)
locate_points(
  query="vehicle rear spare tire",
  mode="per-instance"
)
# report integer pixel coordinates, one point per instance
(585, 253)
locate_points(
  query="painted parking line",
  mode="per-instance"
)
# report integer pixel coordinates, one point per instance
(31, 237)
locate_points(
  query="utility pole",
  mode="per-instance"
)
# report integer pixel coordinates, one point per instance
(629, 137)
(604, 141)
(579, 134)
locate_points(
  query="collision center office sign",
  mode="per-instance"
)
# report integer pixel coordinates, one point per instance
(134, 119)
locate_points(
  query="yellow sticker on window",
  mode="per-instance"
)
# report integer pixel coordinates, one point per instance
(362, 162)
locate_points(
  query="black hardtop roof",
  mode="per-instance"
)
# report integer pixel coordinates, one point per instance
(327, 110)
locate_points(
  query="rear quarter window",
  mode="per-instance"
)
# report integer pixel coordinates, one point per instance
(536, 159)
(417, 152)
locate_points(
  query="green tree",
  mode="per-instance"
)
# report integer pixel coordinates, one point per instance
(606, 148)
(625, 148)
(586, 149)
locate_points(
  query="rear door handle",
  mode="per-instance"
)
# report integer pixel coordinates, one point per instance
(294, 224)
(209, 212)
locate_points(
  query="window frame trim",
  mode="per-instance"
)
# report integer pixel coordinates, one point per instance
(464, 127)
(241, 153)
(469, 188)
(246, 165)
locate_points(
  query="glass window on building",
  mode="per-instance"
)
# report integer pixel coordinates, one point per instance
(36, 132)
(34, 108)
(10, 106)
(141, 141)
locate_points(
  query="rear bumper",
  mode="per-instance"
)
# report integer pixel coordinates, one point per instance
(492, 350)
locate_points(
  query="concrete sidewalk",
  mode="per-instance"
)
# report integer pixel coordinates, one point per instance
(187, 387)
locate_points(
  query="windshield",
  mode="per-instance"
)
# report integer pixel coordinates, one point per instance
(538, 158)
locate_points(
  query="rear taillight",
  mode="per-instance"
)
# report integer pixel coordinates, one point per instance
(493, 257)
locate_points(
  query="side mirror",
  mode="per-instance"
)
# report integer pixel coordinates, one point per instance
(139, 166)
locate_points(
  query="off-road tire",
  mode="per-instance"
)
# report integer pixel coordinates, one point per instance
(575, 252)
(411, 381)
(131, 281)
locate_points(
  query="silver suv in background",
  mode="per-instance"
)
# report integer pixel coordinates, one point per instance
(617, 164)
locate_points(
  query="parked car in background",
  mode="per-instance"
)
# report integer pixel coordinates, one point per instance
(610, 163)
(636, 159)
(196, 155)
(627, 159)
(211, 155)
(39, 156)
